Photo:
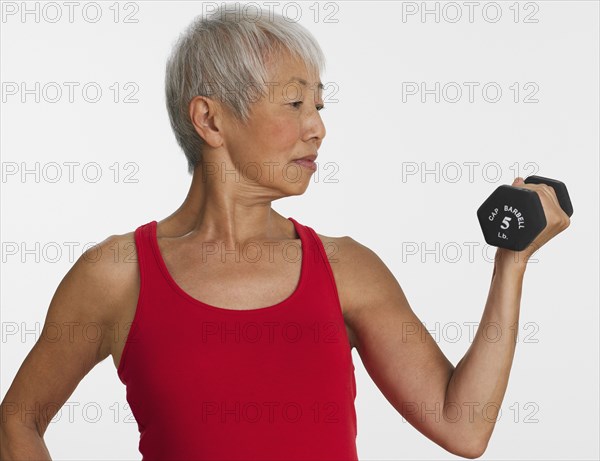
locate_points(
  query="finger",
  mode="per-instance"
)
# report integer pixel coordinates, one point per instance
(549, 190)
(544, 190)
(541, 189)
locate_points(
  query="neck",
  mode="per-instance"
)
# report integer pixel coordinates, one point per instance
(198, 214)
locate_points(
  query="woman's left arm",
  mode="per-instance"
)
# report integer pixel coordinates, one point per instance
(479, 381)
(456, 407)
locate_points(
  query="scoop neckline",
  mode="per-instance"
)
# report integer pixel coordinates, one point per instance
(190, 298)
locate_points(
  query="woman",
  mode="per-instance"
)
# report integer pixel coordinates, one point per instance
(233, 327)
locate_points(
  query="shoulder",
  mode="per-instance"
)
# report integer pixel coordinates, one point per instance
(105, 282)
(110, 260)
(362, 280)
(360, 274)
(117, 268)
(352, 258)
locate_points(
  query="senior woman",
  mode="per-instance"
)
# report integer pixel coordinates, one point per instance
(233, 329)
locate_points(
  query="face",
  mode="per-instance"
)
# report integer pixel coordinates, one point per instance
(283, 126)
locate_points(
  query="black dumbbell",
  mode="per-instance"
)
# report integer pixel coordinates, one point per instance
(512, 217)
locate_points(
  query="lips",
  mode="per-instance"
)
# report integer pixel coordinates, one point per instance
(312, 158)
(307, 162)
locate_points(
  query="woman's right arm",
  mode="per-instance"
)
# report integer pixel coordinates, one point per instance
(75, 337)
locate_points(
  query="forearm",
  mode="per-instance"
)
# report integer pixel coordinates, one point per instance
(478, 384)
(20, 442)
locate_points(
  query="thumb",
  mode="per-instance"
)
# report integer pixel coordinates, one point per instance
(518, 181)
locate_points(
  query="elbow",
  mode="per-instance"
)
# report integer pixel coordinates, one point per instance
(466, 441)
(471, 452)
(467, 447)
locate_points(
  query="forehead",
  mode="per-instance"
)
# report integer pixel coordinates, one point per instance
(288, 71)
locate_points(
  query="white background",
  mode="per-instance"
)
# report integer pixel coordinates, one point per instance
(550, 410)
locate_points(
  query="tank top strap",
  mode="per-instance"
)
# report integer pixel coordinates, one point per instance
(318, 267)
(147, 262)
(148, 276)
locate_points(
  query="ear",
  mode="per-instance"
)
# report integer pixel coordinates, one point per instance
(206, 119)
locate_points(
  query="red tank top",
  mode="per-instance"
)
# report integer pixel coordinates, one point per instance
(209, 383)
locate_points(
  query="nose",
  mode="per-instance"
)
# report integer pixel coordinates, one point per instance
(316, 127)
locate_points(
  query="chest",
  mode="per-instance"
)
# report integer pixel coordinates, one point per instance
(246, 279)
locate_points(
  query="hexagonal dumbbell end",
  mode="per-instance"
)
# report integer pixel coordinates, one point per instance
(511, 217)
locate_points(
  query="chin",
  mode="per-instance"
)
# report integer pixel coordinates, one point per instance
(289, 189)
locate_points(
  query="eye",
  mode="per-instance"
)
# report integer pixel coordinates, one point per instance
(296, 105)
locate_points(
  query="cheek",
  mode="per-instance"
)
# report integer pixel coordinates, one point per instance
(283, 133)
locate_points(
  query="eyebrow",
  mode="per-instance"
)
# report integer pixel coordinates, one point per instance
(304, 83)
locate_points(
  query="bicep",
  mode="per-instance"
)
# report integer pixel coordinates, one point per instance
(396, 349)
(69, 346)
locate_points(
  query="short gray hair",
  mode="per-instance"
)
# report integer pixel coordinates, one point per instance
(227, 50)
